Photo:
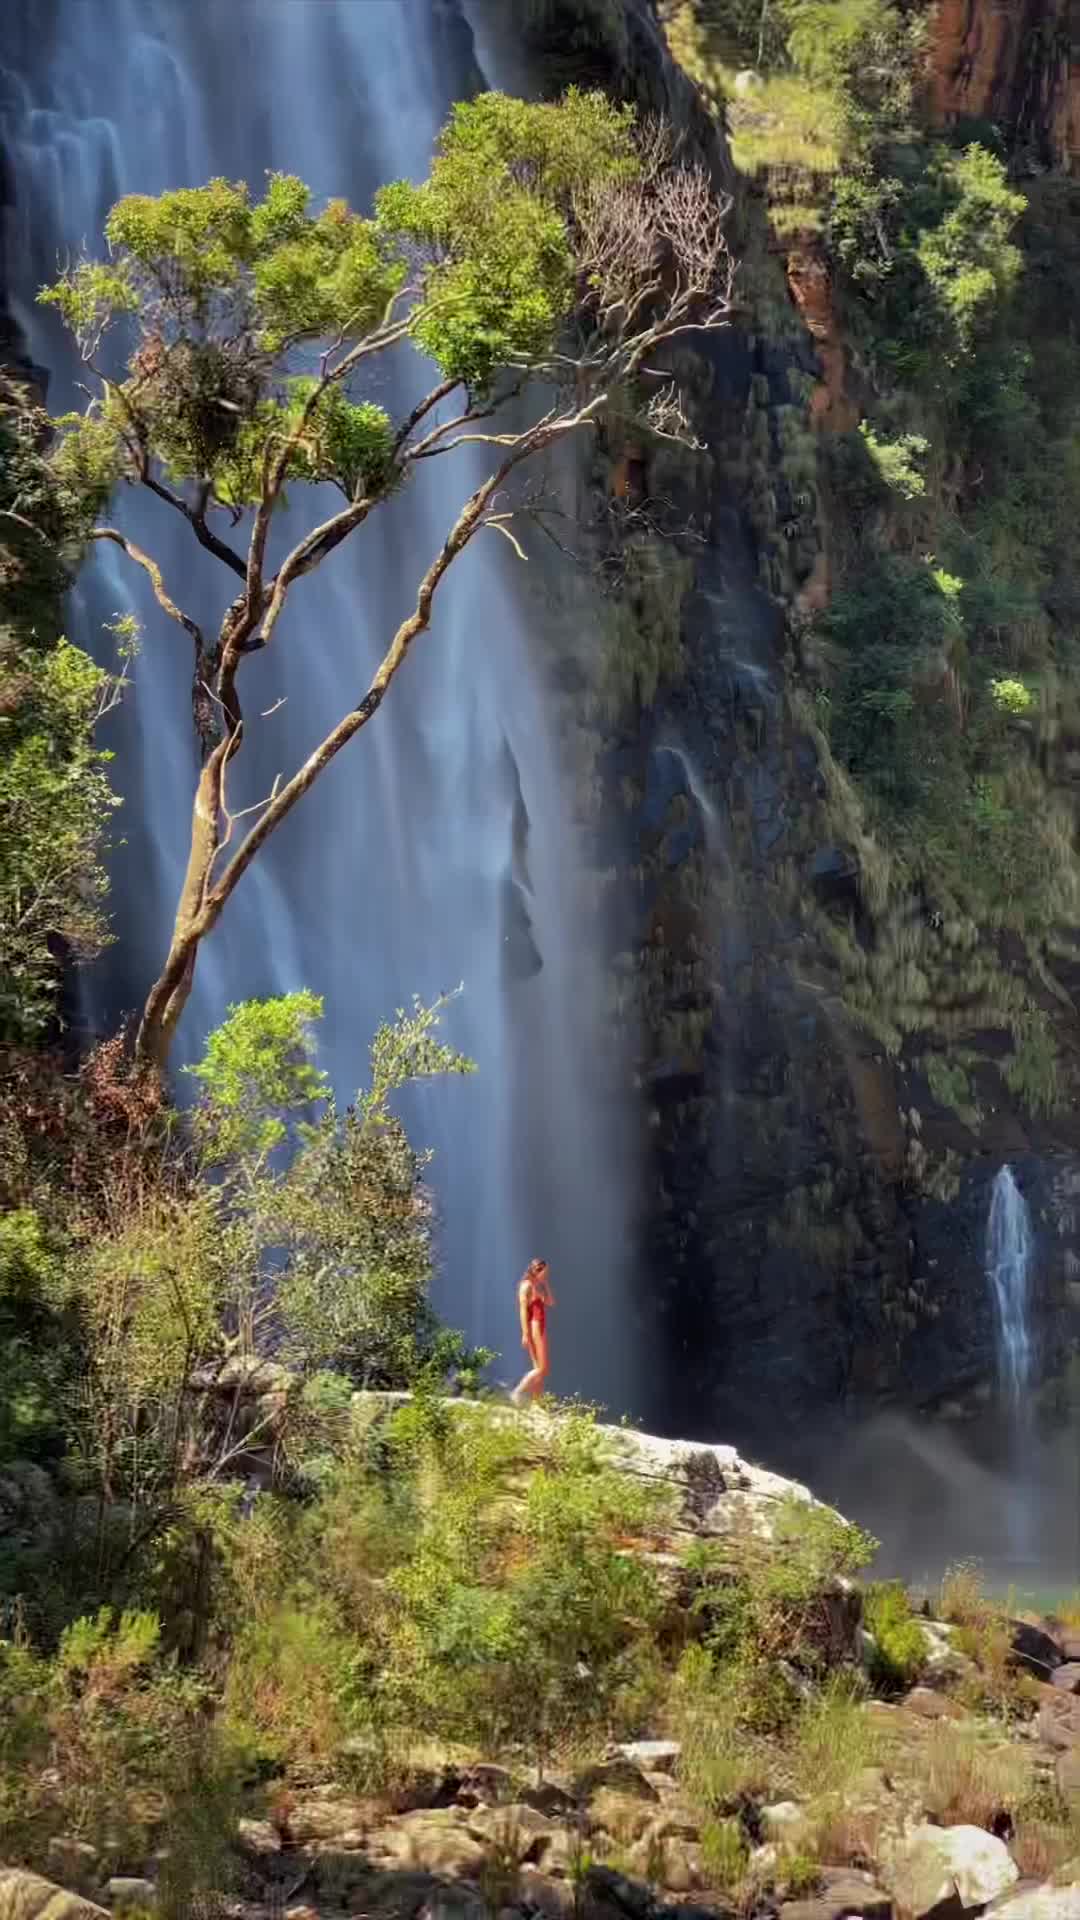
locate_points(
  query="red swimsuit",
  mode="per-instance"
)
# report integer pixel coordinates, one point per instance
(537, 1311)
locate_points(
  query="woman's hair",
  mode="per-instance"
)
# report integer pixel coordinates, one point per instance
(534, 1267)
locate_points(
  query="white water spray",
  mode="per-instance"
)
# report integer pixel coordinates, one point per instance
(440, 847)
(1009, 1248)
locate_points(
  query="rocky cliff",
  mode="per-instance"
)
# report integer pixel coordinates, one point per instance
(816, 1212)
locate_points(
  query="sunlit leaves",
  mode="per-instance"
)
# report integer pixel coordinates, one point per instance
(55, 805)
(492, 220)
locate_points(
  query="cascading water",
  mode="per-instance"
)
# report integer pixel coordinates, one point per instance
(439, 847)
(1009, 1247)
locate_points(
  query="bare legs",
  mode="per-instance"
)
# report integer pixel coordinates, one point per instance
(532, 1384)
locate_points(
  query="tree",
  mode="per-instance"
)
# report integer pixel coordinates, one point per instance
(282, 1245)
(55, 801)
(256, 326)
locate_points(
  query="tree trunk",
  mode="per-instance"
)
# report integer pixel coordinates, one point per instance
(169, 994)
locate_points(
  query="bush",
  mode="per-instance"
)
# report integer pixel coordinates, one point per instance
(899, 1643)
(112, 1745)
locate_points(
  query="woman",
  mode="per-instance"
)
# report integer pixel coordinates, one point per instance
(534, 1299)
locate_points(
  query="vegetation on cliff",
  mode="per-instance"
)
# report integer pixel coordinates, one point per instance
(941, 666)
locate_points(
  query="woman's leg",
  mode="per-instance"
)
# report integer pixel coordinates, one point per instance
(532, 1382)
(539, 1349)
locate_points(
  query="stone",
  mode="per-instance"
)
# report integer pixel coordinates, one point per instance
(554, 1899)
(1067, 1677)
(552, 1797)
(677, 1864)
(936, 1864)
(1045, 1903)
(521, 1826)
(429, 1839)
(676, 1822)
(453, 1903)
(782, 1821)
(618, 1775)
(928, 1704)
(325, 1817)
(74, 1863)
(257, 1839)
(1067, 1773)
(1059, 1719)
(485, 1785)
(1034, 1649)
(630, 1897)
(1069, 1642)
(131, 1895)
(622, 1815)
(853, 1898)
(943, 1662)
(26, 1895)
(651, 1756)
(747, 83)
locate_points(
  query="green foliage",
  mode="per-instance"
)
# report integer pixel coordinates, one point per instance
(895, 461)
(968, 256)
(430, 1593)
(110, 1744)
(38, 1339)
(950, 1086)
(1032, 1069)
(490, 218)
(256, 1070)
(899, 1642)
(476, 263)
(55, 806)
(1011, 696)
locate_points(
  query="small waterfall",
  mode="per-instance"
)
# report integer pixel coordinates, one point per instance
(1009, 1247)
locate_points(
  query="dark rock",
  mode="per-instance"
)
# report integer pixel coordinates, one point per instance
(1034, 1649)
(617, 1890)
(834, 875)
(550, 1797)
(484, 1785)
(853, 1898)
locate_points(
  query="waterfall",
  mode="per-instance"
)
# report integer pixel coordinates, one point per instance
(440, 847)
(1009, 1247)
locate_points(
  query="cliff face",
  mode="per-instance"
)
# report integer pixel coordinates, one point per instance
(1015, 63)
(815, 1220)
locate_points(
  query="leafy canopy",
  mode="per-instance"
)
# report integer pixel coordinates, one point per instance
(476, 264)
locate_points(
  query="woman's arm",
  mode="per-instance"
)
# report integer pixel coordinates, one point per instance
(523, 1310)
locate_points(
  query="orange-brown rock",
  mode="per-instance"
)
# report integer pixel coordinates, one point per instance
(1013, 62)
(810, 285)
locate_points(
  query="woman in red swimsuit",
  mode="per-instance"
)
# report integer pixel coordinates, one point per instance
(534, 1299)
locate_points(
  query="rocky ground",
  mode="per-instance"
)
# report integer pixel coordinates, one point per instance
(925, 1833)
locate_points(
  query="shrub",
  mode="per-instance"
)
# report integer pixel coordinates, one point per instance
(899, 1643)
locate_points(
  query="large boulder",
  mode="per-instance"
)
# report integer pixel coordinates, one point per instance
(1044, 1903)
(25, 1896)
(715, 1493)
(933, 1865)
